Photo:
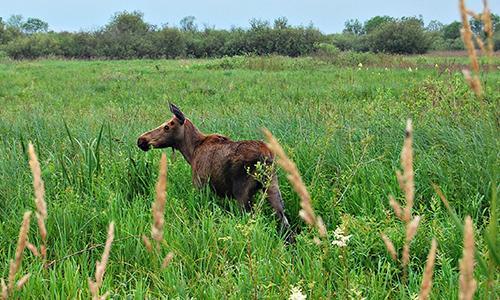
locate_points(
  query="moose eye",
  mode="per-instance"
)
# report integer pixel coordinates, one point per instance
(166, 127)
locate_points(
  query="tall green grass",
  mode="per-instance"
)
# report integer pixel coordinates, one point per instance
(342, 126)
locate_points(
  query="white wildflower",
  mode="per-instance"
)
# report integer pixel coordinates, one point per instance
(340, 238)
(360, 65)
(297, 294)
(409, 69)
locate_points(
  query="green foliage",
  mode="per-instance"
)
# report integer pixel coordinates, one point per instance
(34, 25)
(325, 49)
(128, 36)
(376, 22)
(452, 30)
(353, 26)
(477, 26)
(405, 36)
(342, 126)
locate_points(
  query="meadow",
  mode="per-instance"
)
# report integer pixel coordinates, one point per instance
(341, 123)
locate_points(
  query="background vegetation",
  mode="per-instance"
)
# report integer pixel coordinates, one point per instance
(342, 126)
(127, 36)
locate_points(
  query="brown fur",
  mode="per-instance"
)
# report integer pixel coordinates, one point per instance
(217, 161)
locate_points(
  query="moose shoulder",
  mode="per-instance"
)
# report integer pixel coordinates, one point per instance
(217, 160)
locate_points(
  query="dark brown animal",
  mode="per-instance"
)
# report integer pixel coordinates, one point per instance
(218, 161)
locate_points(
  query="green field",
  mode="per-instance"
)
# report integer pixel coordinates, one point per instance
(342, 125)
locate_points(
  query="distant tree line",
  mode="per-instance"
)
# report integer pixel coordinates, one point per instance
(127, 36)
(407, 35)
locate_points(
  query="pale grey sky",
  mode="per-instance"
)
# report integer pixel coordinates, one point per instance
(328, 15)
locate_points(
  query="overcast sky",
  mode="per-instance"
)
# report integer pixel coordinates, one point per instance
(328, 15)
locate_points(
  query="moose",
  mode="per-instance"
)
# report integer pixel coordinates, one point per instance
(218, 161)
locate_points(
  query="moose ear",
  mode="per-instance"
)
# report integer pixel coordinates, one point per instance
(177, 113)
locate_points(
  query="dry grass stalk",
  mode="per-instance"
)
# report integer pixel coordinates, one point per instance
(467, 37)
(473, 82)
(425, 288)
(411, 230)
(166, 261)
(158, 208)
(41, 205)
(407, 185)
(33, 249)
(21, 282)
(100, 268)
(396, 207)
(405, 179)
(21, 244)
(306, 212)
(147, 243)
(5, 292)
(389, 246)
(488, 27)
(467, 282)
(15, 264)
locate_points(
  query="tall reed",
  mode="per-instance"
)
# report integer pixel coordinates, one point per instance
(100, 267)
(467, 282)
(426, 286)
(293, 175)
(158, 213)
(41, 205)
(407, 185)
(468, 38)
(15, 264)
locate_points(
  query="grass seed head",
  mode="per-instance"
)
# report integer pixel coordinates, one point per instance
(100, 269)
(21, 245)
(158, 208)
(396, 207)
(307, 211)
(467, 282)
(406, 178)
(411, 230)
(426, 286)
(5, 292)
(147, 243)
(21, 282)
(166, 261)
(389, 246)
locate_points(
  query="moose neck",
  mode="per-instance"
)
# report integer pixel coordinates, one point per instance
(192, 138)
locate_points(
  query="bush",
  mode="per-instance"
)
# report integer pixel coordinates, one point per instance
(329, 50)
(34, 46)
(169, 43)
(406, 36)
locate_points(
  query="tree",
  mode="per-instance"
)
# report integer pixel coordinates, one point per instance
(188, 24)
(15, 21)
(452, 30)
(258, 24)
(2, 31)
(376, 22)
(169, 43)
(128, 23)
(353, 26)
(405, 36)
(434, 26)
(478, 28)
(34, 25)
(281, 23)
(126, 36)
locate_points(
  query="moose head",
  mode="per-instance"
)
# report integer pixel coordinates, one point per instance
(168, 134)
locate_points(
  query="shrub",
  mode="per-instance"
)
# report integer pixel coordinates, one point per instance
(404, 36)
(169, 43)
